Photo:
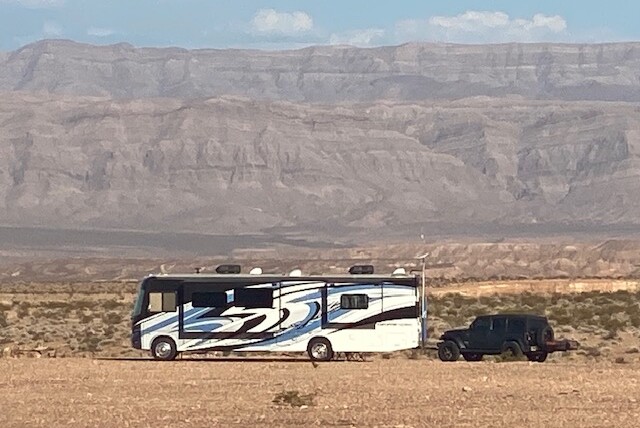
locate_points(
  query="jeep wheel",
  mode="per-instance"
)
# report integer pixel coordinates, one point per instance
(513, 350)
(448, 351)
(538, 357)
(472, 357)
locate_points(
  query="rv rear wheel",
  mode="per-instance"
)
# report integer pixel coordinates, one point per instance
(164, 348)
(319, 349)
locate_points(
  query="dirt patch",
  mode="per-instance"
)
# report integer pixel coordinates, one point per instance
(381, 393)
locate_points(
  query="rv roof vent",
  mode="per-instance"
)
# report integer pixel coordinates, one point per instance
(295, 272)
(228, 269)
(399, 271)
(361, 270)
(255, 271)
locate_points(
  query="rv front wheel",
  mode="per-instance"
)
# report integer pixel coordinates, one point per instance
(319, 349)
(164, 348)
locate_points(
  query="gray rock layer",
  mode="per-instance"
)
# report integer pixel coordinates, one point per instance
(232, 165)
(327, 74)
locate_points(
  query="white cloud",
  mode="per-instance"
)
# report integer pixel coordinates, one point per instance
(36, 4)
(51, 29)
(483, 27)
(285, 23)
(100, 32)
(361, 38)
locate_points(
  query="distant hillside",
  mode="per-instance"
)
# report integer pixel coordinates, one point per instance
(330, 74)
(325, 143)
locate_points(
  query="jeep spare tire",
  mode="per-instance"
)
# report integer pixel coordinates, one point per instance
(544, 335)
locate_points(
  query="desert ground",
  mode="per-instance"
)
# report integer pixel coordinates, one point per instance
(65, 360)
(377, 393)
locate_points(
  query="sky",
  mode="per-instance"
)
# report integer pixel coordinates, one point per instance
(288, 24)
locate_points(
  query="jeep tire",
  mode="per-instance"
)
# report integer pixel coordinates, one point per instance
(449, 351)
(513, 349)
(472, 357)
(544, 335)
(538, 357)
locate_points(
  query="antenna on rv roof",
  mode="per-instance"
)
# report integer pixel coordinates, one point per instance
(423, 300)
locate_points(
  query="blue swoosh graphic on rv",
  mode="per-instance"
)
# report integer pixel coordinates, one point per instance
(174, 319)
(204, 327)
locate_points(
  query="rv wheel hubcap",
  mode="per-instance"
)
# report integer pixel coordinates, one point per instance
(319, 351)
(163, 349)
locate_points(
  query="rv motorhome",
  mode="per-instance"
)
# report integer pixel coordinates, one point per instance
(322, 315)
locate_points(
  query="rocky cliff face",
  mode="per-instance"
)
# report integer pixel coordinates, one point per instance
(330, 74)
(159, 139)
(229, 165)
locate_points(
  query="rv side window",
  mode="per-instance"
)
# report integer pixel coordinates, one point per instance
(162, 302)
(253, 297)
(354, 301)
(209, 300)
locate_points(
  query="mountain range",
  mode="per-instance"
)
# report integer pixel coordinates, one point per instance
(326, 142)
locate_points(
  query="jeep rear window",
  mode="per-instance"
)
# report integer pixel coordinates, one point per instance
(515, 325)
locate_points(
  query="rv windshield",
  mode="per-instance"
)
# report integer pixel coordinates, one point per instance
(137, 309)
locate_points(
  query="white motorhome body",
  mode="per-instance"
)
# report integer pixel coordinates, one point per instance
(321, 315)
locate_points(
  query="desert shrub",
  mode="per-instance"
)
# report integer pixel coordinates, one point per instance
(86, 318)
(112, 317)
(294, 399)
(561, 315)
(492, 301)
(80, 305)
(582, 314)
(593, 352)
(89, 342)
(109, 331)
(113, 304)
(54, 304)
(23, 310)
(414, 354)
(49, 314)
(36, 335)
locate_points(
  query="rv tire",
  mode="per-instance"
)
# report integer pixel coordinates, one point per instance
(164, 348)
(319, 349)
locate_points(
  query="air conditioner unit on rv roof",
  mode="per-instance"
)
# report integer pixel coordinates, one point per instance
(361, 270)
(295, 272)
(228, 269)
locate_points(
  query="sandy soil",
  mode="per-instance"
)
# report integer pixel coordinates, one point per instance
(382, 393)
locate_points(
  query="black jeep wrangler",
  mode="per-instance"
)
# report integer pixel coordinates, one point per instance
(517, 334)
